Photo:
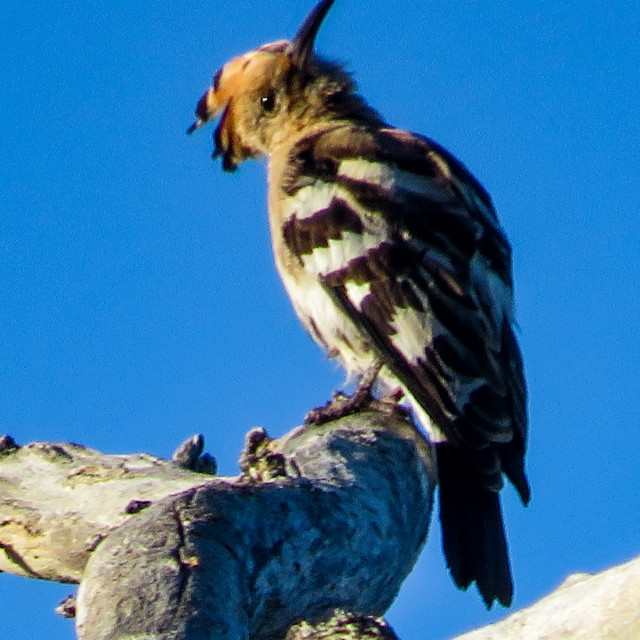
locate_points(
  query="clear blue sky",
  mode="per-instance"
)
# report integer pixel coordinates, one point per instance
(140, 303)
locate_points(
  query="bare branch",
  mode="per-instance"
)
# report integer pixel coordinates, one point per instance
(328, 517)
(311, 541)
(604, 606)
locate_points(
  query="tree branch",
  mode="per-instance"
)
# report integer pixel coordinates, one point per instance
(604, 606)
(311, 541)
(327, 517)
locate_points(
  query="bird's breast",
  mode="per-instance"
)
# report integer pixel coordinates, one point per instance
(314, 237)
(327, 324)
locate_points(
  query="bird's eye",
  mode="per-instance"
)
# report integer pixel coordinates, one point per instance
(268, 100)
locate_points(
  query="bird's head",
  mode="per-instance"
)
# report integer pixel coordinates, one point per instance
(267, 95)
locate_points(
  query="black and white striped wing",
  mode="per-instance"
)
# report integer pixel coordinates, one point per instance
(407, 244)
(394, 246)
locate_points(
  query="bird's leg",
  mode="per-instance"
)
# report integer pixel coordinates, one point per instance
(362, 399)
(394, 396)
(363, 393)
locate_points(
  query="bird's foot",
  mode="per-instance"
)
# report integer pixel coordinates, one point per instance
(339, 406)
(342, 405)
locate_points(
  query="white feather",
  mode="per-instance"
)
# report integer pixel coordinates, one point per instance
(357, 293)
(340, 252)
(414, 330)
(392, 178)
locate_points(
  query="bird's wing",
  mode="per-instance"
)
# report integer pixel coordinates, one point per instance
(427, 278)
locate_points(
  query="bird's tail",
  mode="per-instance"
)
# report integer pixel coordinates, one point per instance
(474, 542)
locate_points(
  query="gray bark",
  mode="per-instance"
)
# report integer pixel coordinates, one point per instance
(327, 517)
(311, 541)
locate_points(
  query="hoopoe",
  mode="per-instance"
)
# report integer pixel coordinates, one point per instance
(393, 258)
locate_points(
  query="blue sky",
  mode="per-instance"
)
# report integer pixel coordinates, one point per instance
(140, 303)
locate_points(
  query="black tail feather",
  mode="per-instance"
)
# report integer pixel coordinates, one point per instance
(474, 542)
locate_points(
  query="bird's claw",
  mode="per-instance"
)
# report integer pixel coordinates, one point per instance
(342, 405)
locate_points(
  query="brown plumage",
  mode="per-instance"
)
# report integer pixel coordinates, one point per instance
(394, 260)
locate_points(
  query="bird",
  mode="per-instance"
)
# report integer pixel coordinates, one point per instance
(395, 262)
